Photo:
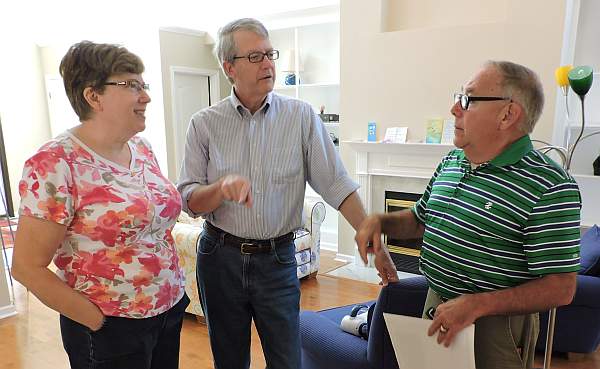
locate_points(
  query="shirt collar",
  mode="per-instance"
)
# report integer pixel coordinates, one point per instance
(515, 152)
(240, 108)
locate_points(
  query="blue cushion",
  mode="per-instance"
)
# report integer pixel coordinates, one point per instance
(590, 252)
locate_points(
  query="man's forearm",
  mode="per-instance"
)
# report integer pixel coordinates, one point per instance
(206, 198)
(538, 295)
(401, 225)
(353, 210)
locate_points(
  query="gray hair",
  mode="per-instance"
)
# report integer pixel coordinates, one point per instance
(225, 48)
(522, 85)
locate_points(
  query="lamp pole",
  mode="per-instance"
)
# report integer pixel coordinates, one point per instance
(580, 79)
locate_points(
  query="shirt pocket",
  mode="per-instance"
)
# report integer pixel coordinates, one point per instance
(287, 166)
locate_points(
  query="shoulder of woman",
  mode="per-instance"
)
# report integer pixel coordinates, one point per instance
(55, 149)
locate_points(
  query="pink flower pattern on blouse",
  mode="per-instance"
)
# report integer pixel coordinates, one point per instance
(118, 249)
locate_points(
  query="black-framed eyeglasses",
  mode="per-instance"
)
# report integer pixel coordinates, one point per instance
(257, 56)
(465, 99)
(134, 84)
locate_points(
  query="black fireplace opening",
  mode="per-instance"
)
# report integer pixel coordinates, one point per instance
(404, 253)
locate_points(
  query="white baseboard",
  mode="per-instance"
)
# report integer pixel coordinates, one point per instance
(370, 260)
(329, 246)
(344, 258)
(7, 311)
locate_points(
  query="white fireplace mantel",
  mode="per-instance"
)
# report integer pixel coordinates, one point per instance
(397, 162)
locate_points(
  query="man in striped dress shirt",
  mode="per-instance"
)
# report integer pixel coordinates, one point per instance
(499, 221)
(247, 161)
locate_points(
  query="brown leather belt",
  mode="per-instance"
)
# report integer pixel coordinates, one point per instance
(246, 245)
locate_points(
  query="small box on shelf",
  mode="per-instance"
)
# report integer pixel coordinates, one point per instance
(329, 117)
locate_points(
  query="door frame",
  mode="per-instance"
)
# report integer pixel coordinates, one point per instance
(214, 95)
(8, 204)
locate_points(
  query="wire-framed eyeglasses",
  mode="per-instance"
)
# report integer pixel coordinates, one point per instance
(257, 56)
(465, 100)
(134, 84)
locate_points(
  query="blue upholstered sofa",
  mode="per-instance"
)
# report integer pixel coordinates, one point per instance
(326, 346)
(577, 327)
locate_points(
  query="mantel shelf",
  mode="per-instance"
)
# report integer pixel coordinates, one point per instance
(398, 148)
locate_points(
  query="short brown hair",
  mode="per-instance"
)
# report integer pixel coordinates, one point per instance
(88, 64)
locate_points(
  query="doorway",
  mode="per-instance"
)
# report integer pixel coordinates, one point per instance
(192, 89)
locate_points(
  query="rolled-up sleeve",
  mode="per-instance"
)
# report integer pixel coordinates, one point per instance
(195, 161)
(325, 172)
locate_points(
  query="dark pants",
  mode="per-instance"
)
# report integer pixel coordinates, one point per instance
(126, 343)
(236, 288)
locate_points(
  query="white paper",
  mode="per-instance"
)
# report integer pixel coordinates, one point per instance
(395, 135)
(415, 350)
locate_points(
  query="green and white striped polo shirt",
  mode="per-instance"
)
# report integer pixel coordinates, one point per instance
(508, 221)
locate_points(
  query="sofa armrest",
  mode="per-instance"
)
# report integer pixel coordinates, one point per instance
(405, 297)
(330, 346)
(186, 239)
(587, 293)
(313, 214)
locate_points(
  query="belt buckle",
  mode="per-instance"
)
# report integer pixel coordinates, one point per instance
(243, 247)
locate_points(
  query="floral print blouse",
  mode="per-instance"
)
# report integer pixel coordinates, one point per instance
(118, 249)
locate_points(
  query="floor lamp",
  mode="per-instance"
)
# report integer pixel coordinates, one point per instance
(580, 80)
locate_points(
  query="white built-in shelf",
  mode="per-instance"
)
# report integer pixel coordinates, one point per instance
(322, 84)
(308, 85)
(284, 87)
(331, 124)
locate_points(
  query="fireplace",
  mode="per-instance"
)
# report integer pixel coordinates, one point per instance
(404, 253)
(380, 167)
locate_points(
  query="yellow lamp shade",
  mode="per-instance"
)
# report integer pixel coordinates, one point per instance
(562, 75)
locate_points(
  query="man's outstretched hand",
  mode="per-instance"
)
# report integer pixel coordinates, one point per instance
(237, 188)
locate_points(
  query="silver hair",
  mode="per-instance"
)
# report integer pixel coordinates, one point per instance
(225, 48)
(522, 85)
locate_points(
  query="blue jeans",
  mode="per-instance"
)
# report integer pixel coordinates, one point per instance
(236, 288)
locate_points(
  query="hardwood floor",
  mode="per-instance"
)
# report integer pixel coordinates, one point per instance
(31, 340)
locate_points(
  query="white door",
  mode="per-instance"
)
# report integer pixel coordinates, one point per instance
(62, 115)
(192, 90)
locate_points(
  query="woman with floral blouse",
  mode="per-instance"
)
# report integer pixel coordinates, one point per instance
(95, 202)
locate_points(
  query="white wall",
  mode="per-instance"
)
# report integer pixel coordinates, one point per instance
(406, 75)
(23, 108)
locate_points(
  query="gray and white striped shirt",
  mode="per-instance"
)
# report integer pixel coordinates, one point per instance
(279, 148)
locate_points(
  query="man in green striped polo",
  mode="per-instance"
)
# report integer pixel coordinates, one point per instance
(499, 221)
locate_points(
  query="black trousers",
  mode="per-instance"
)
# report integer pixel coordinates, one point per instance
(125, 343)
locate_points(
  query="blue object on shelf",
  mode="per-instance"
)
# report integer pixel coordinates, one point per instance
(290, 79)
(372, 132)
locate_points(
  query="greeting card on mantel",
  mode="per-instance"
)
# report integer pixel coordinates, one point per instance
(395, 135)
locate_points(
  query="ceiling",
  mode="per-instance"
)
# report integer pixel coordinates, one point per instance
(63, 21)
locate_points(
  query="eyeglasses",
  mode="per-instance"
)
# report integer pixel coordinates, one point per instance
(257, 56)
(134, 84)
(465, 99)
